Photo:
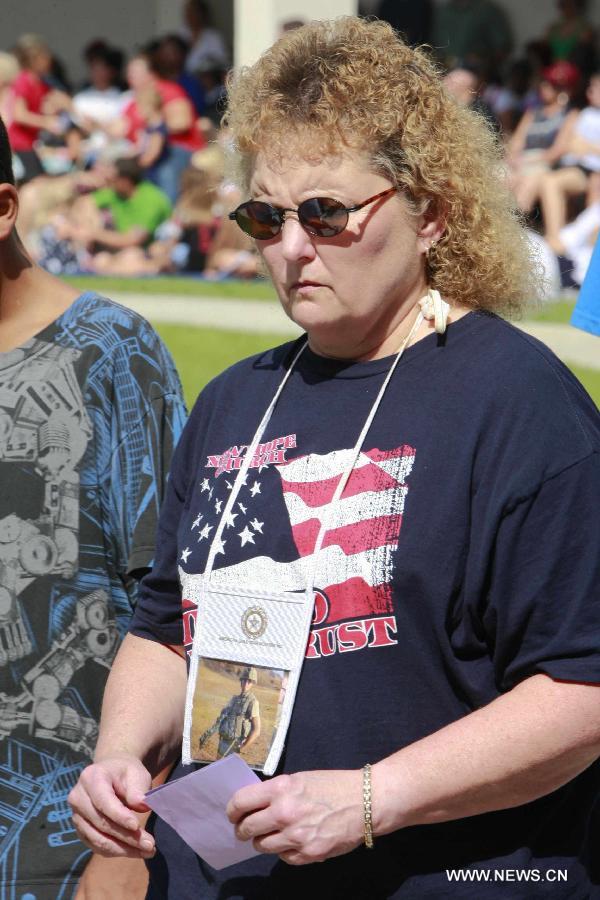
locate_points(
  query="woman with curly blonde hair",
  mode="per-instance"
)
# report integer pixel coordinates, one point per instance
(399, 504)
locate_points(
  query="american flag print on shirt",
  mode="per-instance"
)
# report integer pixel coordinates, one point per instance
(355, 565)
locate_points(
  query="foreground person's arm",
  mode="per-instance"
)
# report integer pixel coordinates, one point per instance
(525, 744)
(140, 733)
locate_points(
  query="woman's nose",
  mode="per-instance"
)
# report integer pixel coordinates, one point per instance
(295, 241)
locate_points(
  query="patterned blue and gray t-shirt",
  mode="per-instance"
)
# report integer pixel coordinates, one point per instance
(90, 409)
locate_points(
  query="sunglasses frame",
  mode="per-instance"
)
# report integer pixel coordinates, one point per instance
(281, 210)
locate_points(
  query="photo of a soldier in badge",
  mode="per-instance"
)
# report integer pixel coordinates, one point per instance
(238, 725)
(224, 721)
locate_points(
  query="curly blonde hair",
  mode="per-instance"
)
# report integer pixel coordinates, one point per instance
(353, 85)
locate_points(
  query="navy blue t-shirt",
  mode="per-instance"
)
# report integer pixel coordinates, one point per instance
(462, 559)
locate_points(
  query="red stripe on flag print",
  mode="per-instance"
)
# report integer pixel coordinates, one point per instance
(355, 599)
(383, 455)
(369, 477)
(354, 538)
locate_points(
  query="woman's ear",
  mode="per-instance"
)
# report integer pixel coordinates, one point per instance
(432, 227)
(9, 208)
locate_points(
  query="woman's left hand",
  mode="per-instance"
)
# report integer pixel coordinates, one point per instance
(304, 818)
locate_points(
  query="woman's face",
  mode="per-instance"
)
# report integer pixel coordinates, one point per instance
(351, 292)
(41, 62)
(547, 92)
(139, 74)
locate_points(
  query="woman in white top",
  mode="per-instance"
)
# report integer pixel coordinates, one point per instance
(579, 144)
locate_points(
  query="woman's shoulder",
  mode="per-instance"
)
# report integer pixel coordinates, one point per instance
(523, 380)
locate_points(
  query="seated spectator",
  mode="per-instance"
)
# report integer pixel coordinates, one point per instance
(102, 100)
(124, 214)
(206, 42)
(41, 198)
(578, 144)
(168, 61)
(135, 208)
(197, 239)
(28, 92)
(465, 84)
(183, 135)
(571, 36)
(472, 31)
(530, 150)
(572, 253)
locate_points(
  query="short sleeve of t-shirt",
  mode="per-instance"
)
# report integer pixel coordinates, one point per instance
(159, 615)
(147, 418)
(254, 709)
(543, 610)
(31, 90)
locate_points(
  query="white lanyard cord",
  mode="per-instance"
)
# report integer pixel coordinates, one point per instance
(331, 507)
(242, 472)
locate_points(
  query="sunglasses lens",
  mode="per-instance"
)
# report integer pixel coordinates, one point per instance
(323, 216)
(259, 220)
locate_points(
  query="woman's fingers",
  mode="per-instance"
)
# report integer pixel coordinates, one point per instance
(253, 797)
(102, 819)
(109, 845)
(89, 819)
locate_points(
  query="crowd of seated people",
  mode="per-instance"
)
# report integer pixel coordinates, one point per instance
(125, 173)
(145, 135)
(544, 107)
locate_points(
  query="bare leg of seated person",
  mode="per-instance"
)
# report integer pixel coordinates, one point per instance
(554, 190)
(526, 189)
(132, 261)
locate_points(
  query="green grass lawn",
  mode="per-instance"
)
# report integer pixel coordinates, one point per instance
(201, 353)
(590, 379)
(260, 289)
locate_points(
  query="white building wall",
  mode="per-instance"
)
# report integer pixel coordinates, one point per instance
(257, 24)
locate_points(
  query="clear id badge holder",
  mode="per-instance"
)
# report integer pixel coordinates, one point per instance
(247, 654)
(250, 640)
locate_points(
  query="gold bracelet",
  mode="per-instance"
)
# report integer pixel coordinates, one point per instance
(367, 810)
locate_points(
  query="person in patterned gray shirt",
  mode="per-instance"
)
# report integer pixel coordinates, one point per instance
(90, 410)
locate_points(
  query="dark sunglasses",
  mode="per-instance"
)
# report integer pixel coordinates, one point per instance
(322, 216)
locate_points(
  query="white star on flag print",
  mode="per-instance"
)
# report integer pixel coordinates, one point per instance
(246, 536)
(205, 532)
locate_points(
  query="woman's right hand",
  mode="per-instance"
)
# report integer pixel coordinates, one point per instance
(105, 801)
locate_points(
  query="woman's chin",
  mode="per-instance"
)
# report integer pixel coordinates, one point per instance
(312, 316)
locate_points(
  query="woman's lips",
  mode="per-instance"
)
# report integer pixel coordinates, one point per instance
(306, 286)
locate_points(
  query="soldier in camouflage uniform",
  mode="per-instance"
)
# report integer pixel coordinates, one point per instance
(238, 723)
